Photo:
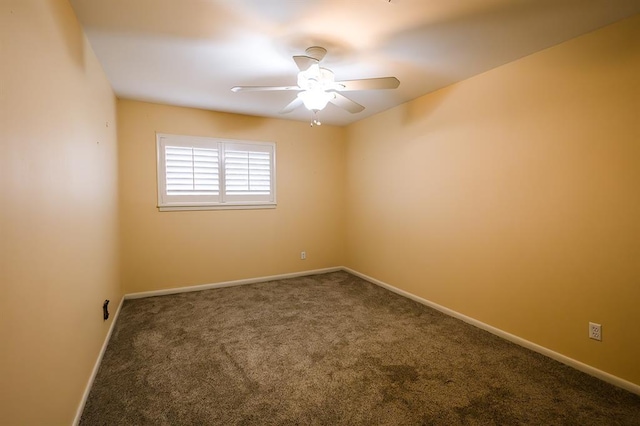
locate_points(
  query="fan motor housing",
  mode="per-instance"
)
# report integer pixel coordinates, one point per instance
(316, 52)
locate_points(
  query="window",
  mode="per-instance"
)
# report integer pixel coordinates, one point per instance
(196, 173)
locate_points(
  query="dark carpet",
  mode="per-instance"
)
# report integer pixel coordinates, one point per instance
(330, 349)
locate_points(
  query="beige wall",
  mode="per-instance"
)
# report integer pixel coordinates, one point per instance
(174, 249)
(514, 197)
(58, 220)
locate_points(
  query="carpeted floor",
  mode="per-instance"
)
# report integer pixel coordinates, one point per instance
(327, 350)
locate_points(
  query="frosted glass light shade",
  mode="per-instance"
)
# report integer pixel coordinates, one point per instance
(315, 100)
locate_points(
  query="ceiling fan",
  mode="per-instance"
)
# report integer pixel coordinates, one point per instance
(317, 86)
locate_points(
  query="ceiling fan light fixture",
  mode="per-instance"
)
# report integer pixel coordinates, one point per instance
(315, 100)
(317, 86)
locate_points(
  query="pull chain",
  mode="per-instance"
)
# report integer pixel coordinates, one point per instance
(314, 119)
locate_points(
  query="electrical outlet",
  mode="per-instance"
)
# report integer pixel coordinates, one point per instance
(595, 331)
(303, 255)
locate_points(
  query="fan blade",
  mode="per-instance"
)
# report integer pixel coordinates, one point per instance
(346, 103)
(292, 105)
(304, 62)
(368, 84)
(262, 88)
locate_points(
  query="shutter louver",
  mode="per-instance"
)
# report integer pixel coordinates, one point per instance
(191, 171)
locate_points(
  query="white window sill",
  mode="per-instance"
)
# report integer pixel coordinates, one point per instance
(218, 207)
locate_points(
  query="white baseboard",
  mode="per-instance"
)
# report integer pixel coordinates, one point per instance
(602, 375)
(96, 366)
(229, 283)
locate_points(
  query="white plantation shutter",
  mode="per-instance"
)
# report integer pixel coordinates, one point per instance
(192, 171)
(207, 173)
(247, 171)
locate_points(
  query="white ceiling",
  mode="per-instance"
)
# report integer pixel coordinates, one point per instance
(191, 52)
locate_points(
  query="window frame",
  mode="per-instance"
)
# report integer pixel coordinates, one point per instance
(221, 201)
